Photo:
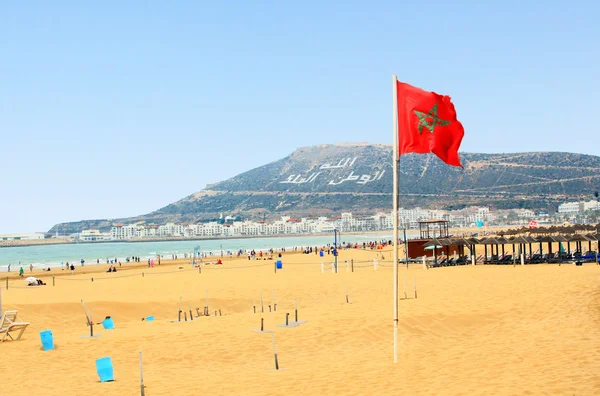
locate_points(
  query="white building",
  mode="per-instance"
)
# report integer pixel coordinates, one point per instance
(570, 208)
(94, 235)
(21, 237)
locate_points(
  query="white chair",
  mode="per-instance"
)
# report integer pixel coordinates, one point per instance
(10, 323)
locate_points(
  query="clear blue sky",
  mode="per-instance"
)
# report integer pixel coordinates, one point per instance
(118, 108)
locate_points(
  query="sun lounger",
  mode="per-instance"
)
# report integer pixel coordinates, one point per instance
(10, 323)
(462, 260)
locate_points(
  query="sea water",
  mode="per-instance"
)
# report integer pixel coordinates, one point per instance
(42, 256)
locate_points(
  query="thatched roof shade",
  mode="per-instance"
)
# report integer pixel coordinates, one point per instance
(436, 242)
(578, 237)
(519, 240)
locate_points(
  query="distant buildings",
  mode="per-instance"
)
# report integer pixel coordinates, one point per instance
(347, 222)
(22, 237)
(286, 225)
(575, 208)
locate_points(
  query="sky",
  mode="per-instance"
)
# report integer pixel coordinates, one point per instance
(112, 109)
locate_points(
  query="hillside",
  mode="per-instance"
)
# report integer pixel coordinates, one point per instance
(328, 179)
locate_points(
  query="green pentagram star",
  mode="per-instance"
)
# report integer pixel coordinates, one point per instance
(435, 121)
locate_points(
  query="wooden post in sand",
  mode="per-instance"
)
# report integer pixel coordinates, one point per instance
(415, 288)
(7, 283)
(262, 305)
(52, 280)
(254, 305)
(190, 309)
(347, 302)
(352, 264)
(206, 307)
(275, 352)
(295, 313)
(142, 393)
(274, 301)
(91, 324)
(179, 309)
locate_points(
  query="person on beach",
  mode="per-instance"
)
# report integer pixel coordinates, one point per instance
(30, 267)
(21, 271)
(72, 269)
(8, 267)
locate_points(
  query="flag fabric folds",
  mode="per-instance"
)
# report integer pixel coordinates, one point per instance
(427, 123)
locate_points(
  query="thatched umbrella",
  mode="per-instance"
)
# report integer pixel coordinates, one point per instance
(547, 239)
(492, 242)
(578, 238)
(435, 242)
(503, 241)
(560, 239)
(521, 241)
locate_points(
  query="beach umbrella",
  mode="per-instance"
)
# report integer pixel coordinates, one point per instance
(31, 279)
(432, 247)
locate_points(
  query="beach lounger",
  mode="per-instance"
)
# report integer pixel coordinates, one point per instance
(10, 323)
(462, 260)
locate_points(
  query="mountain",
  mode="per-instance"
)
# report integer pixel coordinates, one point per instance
(331, 178)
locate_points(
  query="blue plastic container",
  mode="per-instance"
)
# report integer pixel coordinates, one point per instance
(47, 340)
(104, 368)
(108, 324)
(321, 253)
(150, 318)
(279, 264)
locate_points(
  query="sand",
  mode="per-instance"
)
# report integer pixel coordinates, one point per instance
(483, 330)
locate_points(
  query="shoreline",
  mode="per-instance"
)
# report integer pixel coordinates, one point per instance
(184, 239)
(42, 242)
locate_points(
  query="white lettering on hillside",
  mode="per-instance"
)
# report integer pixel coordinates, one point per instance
(362, 179)
(346, 162)
(298, 179)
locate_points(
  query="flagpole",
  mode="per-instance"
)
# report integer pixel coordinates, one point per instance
(395, 215)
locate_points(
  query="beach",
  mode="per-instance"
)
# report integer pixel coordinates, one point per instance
(502, 330)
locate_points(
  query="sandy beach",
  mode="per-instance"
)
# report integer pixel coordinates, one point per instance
(485, 330)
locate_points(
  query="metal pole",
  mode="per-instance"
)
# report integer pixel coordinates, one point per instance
(335, 250)
(396, 161)
(141, 377)
(405, 248)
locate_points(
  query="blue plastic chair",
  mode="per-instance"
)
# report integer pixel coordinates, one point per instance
(47, 340)
(108, 324)
(104, 368)
(279, 264)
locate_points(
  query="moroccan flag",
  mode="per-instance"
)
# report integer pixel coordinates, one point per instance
(427, 124)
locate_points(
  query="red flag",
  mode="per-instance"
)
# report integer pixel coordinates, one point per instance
(427, 124)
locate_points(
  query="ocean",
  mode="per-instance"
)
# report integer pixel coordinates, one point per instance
(42, 256)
